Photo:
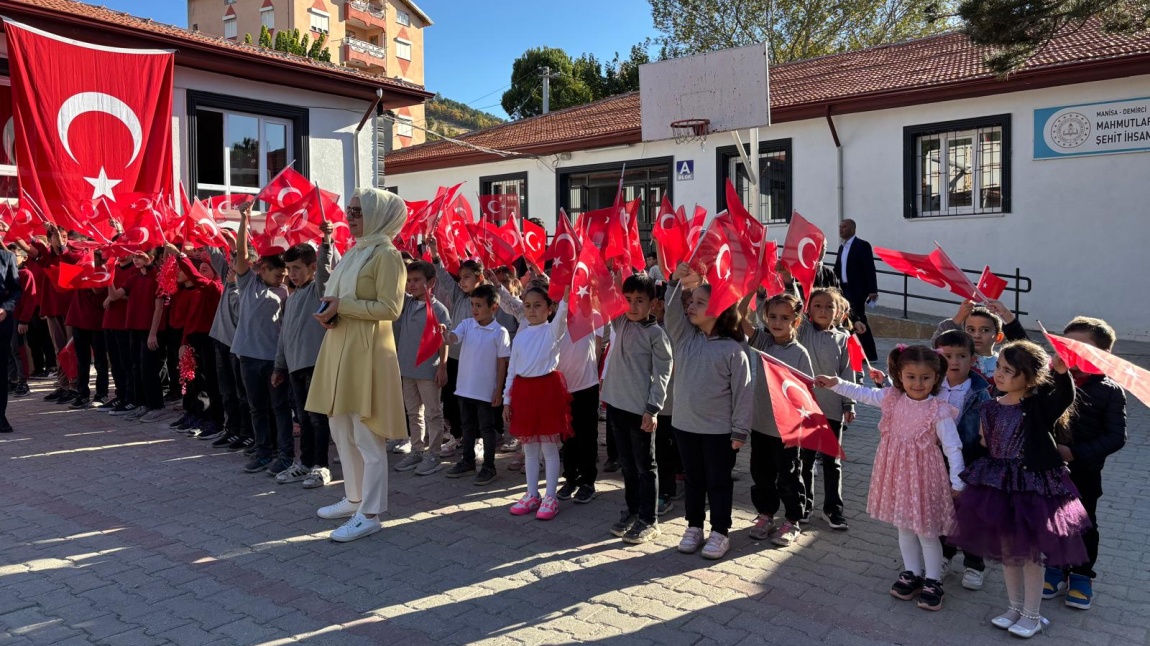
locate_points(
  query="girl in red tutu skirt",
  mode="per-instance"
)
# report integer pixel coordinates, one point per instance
(536, 402)
(1019, 506)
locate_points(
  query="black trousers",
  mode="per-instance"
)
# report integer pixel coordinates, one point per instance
(314, 433)
(478, 420)
(205, 385)
(146, 365)
(707, 463)
(89, 346)
(832, 474)
(666, 456)
(7, 329)
(237, 417)
(170, 345)
(581, 451)
(40, 344)
(612, 450)
(1089, 484)
(858, 311)
(775, 470)
(450, 402)
(119, 362)
(637, 456)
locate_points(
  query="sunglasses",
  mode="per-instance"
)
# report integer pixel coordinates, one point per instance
(354, 212)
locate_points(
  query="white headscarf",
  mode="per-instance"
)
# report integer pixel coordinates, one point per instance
(384, 214)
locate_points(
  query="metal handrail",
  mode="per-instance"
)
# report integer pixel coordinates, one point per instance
(1015, 282)
(366, 7)
(364, 47)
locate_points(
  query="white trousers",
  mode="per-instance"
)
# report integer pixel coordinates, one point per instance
(363, 456)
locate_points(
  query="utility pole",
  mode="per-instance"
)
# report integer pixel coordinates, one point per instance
(545, 72)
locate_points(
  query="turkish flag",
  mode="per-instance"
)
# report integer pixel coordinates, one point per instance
(956, 280)
(201, 229)
(498, 208)
(563, 254)
(143, 219)
(991, 286)
(22, 224)
(1092, 360)
(802, 251)
(855, 353)
(695, 226)
(534, 241)
(432, 338)
(85, 275)
(511, 235)
(728, 263)
(226, 208)
(289, 185)
(926, 268)
(594, 297)
(623, 239)
(490, 246)
(798, 417)
(90, 121)
(671, 234)
(595, 226)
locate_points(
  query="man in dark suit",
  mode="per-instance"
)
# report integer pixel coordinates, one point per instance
(854, 266)
(10, 292)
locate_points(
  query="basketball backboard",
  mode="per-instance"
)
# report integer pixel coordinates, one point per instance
(730, 87)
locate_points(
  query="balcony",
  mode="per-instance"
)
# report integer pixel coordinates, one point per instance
(365, 15)
(364, 55)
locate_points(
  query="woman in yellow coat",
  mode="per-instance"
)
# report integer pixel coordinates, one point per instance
(356, 381)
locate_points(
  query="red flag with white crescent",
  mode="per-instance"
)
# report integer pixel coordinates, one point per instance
(799, 419)
(534, 241)
(563, 254)
(727, 261)
(89, 121)
(669, 231)
(431, 340)
(926, 267)
(498, 208)
(85, 275)
(201, 228)
(990, 285)
(802, 251)
(1091, 360)
(594, 298)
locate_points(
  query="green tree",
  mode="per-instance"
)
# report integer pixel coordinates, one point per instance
(265, 38)
(1015, 30)
(793, 29)
(304, 46)
(317, 47)
(525, 96)
(281, 41)
(293, 42)
(247, 39)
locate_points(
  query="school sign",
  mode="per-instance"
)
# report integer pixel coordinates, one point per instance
(1092, 129)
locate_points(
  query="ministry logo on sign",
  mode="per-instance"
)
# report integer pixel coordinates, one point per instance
(1070, 130)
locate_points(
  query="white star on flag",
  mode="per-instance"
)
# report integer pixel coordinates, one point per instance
(102, 186)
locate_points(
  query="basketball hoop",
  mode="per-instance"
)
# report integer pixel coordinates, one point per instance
(688, 130)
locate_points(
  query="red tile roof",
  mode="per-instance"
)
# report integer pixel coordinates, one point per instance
(197, 49)
(935, 68)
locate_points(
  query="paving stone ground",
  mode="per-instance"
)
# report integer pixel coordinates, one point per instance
(125, 534)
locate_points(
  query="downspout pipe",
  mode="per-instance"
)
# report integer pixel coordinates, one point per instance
(838, 164)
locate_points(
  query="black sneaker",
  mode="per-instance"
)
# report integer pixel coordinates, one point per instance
(837, 522)
(39, 374)
(566, 491)
(180, 424)
(485, 476)
(665, 505)
(257, 464)
(641, 533)
(239, 443)
(21, 390)
(931, 596)
(209, 431)
(626, 521)
(101, 401)
(460, 469)
(908, 585)
(250, 450)
(191, 424)
(67, 398)
(225, 441)
(611, 466)
(55, 395)
(585, 494)
(124, 408)
(79, 402)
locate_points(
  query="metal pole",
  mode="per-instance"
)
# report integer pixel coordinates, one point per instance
(546, 89)
(754, 171)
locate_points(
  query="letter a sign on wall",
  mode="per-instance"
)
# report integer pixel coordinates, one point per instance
(685, 170)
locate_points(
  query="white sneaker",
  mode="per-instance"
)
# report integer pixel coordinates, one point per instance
(692, 539)
(319, 477)
(972, 579)
(402, 447)
(342, 509)
(428, 466)
(358, 527)
(294, 473)
(478, 449)
(716, 547)
(448, 448)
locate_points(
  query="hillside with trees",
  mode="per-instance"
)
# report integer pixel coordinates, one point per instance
(452, 118)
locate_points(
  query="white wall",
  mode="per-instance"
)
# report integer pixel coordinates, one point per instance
(1078, 227)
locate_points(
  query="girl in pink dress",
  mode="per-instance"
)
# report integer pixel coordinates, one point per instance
(908, 486)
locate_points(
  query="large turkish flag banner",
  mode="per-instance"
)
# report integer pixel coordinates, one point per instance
(90, 121)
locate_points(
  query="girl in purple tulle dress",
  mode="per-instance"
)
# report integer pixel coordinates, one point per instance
(1019, 506)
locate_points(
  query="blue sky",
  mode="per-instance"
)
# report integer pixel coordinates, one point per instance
(472, 44)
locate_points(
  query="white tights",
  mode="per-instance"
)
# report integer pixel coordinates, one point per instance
(1024, 586)
(921, 553)
(550, 451)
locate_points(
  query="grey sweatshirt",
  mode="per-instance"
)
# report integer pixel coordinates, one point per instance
(639, 367)
(458, 303)
(300, 334)
(408, 332)
(828, 353)
(713, 393)
(669, 401)
(794, 355)
(228, 310)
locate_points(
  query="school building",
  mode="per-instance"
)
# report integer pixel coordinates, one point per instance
(1037, 174)
(240, 113)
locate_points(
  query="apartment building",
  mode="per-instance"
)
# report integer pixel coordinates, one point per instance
(380, 37)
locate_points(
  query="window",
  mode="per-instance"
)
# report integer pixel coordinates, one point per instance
(402, 17)
(229, 2)
(319, 20)
(404, 126)
(774, 179)
(587, 188)
(268, 18)
(402, 49)
(957, 168)
(229, 27)
(512, 184)
(238, 145)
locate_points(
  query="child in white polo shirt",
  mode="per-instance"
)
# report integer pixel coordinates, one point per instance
(485, 349)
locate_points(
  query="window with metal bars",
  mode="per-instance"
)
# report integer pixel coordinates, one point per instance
(509, 184)
(957, 168)
(774, 179)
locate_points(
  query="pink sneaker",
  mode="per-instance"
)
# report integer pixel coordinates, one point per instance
(548, 509)
(526, 505)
